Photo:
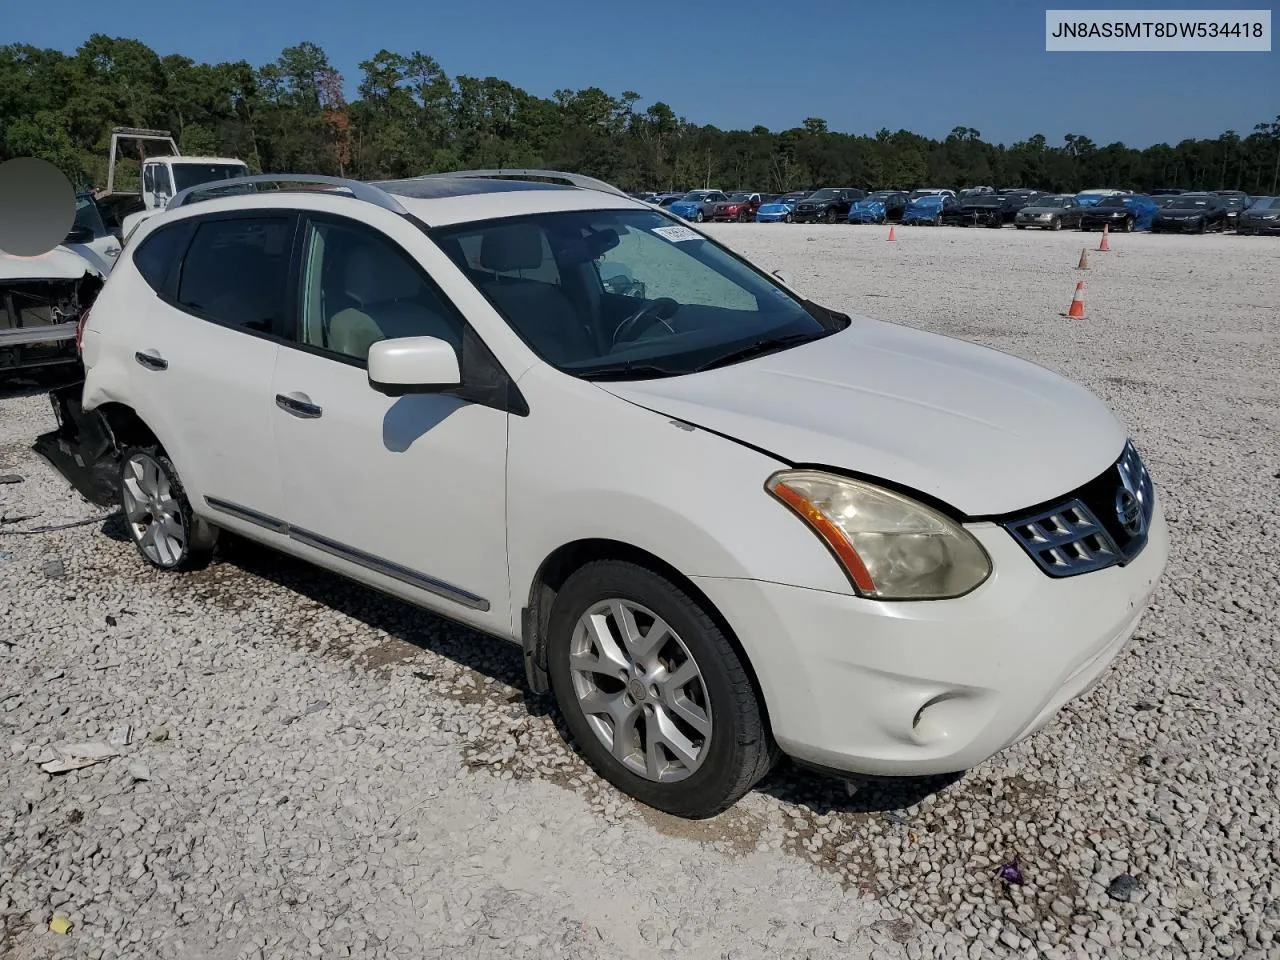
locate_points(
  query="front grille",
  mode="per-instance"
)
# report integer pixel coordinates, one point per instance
(1102, 524)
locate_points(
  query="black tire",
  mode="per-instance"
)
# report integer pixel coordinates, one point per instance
(199, 537)
(1202, 226)
(699, 217)
(1056, 224)
(788, 218)
(741, 749)
(1128, 225)
(1020, 226)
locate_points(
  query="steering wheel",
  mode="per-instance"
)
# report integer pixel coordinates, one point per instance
(658, 311)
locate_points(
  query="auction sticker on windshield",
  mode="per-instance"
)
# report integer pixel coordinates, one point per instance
(677, 233)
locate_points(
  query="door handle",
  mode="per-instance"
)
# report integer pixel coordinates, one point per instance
(298, 404)
(151, 361)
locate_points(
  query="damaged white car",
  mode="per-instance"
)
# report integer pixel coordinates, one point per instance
(42, 298)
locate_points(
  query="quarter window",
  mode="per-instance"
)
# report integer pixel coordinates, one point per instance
(159, 253)
(234, 272)
(359, 287)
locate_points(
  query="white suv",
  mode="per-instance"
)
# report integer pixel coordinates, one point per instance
(723, 521)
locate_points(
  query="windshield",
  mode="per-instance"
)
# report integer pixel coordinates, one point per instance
(190, 174)
(88, 215)
(1266, 203)
(826, 193)
(1051, 202)
(917, 194)
(623, 293)
(696, 196)
(1187, 203)
(739, 197)
(1109, 202)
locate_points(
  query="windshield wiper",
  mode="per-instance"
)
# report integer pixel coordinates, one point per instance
(757, 348)
(629, 370)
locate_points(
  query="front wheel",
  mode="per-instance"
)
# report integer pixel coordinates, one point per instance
(1128, 225)
(653, 691)
(158, 515)
(788, 219)
(699, 217)
(832, 216)
(1056, 224)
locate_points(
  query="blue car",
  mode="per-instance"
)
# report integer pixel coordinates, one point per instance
(1125, 212)
(879, 207)
(925, 209)
(697, 204)
(780, 209)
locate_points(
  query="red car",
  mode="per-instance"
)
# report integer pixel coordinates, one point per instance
(740, 206)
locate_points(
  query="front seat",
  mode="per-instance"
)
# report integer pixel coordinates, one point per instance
(538, 311)
(388, 300)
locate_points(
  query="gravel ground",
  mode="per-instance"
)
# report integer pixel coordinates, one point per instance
(314, 770)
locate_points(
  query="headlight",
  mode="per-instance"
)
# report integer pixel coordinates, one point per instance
(891, 547)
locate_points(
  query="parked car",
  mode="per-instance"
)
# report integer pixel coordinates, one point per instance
(880, 206)
(972, 210)
(1050, 213)
(1235, 202)
(1262, 216)
(667, 199)
(829, 205)
(1191, 213)
(697, 205)
(697, 603)
(929, 207)
(781, 209)
(43, 297)
(739, 206)
(1123, 212)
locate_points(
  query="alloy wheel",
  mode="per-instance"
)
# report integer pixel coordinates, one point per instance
(640, 690)
(153, 513)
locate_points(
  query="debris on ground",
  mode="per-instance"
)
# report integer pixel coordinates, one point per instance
(64, 757)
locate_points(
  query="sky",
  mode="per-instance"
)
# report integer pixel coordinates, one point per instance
(861, 66)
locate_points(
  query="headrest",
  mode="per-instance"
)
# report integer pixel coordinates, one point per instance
(513, 247)
(375, 276)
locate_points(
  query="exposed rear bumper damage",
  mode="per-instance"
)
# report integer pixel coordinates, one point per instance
(82, 448)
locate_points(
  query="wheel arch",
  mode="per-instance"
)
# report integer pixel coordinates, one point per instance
(570, 557)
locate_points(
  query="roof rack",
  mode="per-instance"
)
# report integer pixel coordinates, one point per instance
(358, 189)
(573, 179)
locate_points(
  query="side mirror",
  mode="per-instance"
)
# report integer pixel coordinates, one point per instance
(413, 365)
(79, 234)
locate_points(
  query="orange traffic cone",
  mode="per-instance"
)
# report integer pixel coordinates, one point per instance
(891, 236)
(1084, 260)
(1106, 232)
(1076, 312)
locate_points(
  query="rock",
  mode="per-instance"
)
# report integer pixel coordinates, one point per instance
(1122, 888)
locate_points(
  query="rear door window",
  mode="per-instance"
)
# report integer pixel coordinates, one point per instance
(236, 270)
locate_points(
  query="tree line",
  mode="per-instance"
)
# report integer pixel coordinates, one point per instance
(409, 117)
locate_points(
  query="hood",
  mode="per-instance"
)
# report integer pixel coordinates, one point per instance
(980, 430)
(1032, 209)
(58, 264)
(924, 203)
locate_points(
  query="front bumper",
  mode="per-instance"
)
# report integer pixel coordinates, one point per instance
(811, 216)
(913, 689)
(762, 217)
(1176, 226)
(1258, 226)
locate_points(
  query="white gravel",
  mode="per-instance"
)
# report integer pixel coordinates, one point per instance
(312, 770)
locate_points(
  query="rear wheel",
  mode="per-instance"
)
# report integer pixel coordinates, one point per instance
(158, 515)
(653, 692)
